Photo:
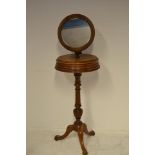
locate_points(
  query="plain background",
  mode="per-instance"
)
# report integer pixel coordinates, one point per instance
(13, 77)
(50, 94)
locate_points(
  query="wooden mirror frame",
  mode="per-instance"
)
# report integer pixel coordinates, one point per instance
(77, 50)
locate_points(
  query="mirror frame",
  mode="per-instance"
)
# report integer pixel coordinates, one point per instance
(85, 46)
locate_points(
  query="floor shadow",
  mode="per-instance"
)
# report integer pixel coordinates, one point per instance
(90, 80)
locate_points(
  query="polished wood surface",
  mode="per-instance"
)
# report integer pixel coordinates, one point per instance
(77, 64)
(73, 64)
(78, 125)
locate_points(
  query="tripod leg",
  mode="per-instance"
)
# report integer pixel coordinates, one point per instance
(89, 133)
(80, 134)
(69, 129)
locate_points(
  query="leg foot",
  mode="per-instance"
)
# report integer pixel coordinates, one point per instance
(69, 129)
(80, 134)
(89, 133)
(80, 128)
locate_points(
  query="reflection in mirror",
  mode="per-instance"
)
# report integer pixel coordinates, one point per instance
(76, 32)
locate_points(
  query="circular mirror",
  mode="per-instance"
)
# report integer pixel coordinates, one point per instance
(76, 32)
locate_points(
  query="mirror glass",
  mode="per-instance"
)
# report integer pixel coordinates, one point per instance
(76, 32)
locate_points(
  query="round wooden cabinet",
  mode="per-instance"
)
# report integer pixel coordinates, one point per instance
(72, 64)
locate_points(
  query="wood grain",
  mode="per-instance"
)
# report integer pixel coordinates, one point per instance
(71, 63)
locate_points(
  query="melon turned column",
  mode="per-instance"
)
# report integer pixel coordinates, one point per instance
(77, 111)
(78, 125)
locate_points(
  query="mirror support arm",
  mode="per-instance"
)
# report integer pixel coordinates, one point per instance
(77, 54)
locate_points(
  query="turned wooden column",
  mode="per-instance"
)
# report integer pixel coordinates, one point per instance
(77, 111)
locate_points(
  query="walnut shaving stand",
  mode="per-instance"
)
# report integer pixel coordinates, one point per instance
(77, 65)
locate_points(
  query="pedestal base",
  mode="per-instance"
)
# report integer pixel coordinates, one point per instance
(80, 128)
(78, 125)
